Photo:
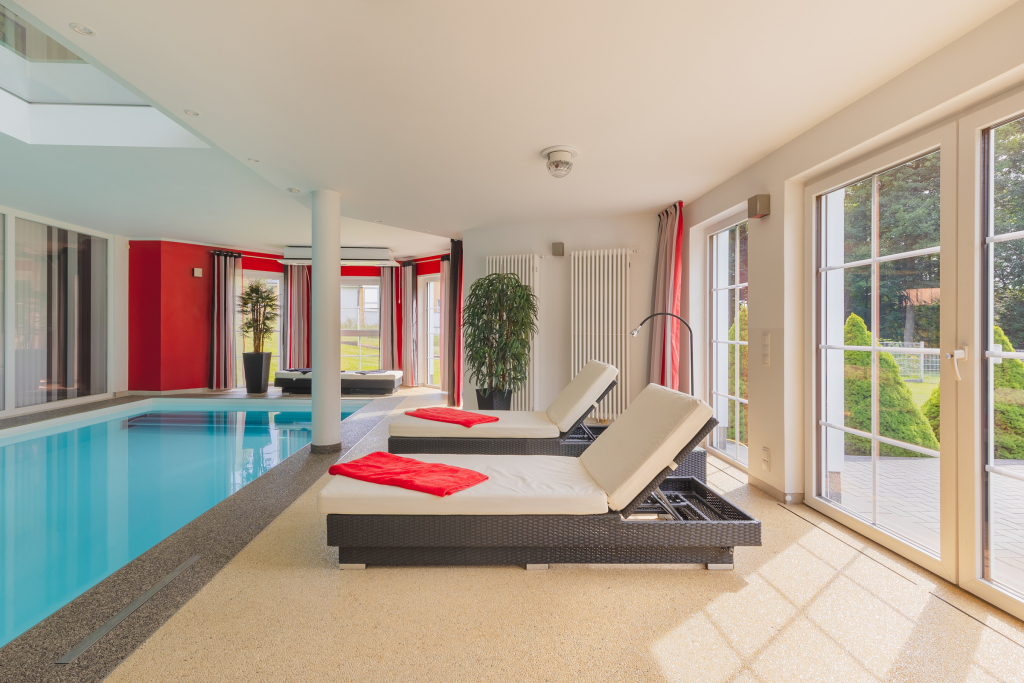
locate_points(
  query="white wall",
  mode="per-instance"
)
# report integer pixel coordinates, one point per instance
(638, 232)
(981, 64)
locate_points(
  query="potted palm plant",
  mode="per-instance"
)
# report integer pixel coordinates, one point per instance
(499, 320)
(258, 305)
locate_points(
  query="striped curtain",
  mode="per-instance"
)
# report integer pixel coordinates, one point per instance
(409, 326)
(295, 327)
(227, 285)
(446, 269)
(388, 320)
(669, 298)
(451, 324)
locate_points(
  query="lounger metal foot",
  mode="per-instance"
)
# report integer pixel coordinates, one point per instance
(536, 567)
(352, 566)
(714, 567)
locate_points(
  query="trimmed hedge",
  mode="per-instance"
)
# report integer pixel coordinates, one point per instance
(1008, 385)
(742, 418)
(898, 415)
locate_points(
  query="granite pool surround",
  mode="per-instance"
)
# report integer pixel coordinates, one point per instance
(216, 537)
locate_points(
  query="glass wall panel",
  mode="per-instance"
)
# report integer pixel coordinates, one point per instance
(60, 317)
(271, 344)
(1004, 324)
(360, 326)
(432, 329)
(728, 349)
(880, 368)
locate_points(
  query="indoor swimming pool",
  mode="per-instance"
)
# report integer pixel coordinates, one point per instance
(81, 497)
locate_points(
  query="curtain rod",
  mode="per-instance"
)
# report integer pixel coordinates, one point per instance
(425, 260)
(218, 252)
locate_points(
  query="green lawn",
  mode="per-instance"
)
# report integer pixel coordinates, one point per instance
(922, 390)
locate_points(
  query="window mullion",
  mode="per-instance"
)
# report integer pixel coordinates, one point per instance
(874, 354)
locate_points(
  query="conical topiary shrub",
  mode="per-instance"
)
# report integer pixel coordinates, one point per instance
(898, 415)
(1008, 385)
(742, 418)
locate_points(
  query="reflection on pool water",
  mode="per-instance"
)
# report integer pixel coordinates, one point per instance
(79, 504)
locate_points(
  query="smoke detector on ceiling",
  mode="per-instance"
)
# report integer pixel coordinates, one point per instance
(560, 159)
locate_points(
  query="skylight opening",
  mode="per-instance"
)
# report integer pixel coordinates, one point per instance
(37, 69)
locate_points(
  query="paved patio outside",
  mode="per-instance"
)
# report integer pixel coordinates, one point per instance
(908, 504)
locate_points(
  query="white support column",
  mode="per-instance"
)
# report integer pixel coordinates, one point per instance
(325, 321)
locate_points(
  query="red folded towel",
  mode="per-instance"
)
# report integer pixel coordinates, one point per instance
(393, 470)
(451, 415)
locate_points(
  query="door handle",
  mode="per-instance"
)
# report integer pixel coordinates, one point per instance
(955, 356)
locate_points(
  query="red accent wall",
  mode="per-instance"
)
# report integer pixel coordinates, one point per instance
(169, 311)
(168, 316)
(428, 267)
(144, 316)
(360, 271)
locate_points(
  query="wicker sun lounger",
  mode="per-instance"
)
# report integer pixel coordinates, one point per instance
(617, 503)
(370, 382)
(557, 431)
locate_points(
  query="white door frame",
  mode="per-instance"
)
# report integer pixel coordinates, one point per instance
(941, 137)
(971, 399)
(421, 324)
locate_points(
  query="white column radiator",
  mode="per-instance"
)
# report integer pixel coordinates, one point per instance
(600, 319)
(527, 267)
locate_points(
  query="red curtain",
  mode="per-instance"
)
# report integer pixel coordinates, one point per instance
(451, 331)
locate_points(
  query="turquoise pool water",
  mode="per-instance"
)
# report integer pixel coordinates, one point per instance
(79, 502)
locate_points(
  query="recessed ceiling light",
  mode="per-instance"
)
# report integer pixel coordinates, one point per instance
(255, 161)
(378, 221)
(82, 29)
(294, 189)
(192, 112)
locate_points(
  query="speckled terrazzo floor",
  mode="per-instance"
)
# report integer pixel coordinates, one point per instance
(815, 603)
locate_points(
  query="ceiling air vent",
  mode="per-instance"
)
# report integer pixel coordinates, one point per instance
(349, 256)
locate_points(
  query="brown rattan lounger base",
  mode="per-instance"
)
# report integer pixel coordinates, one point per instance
(459, 556)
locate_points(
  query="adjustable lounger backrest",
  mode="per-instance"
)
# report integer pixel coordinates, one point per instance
(581, 393)
(642, 442)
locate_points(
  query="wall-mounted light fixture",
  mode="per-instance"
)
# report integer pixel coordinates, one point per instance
(759, 206)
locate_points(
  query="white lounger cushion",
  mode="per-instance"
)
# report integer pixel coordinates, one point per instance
(581, 393)
(391, 374)
(518, 485)
(511, 424)
(642, 441)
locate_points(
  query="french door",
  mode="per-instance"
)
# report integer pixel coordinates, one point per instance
(992, 313)
(918, 430)
(886, 267)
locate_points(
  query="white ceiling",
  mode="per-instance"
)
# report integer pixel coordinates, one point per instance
(431, 116)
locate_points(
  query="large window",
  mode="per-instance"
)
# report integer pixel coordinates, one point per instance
(60, 320)
(430, 329)
(273, 343)
(728, 347)
(1003, 324)
(360, 324)
(880, 310)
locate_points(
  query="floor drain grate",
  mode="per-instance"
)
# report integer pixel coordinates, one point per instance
(89, 640)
